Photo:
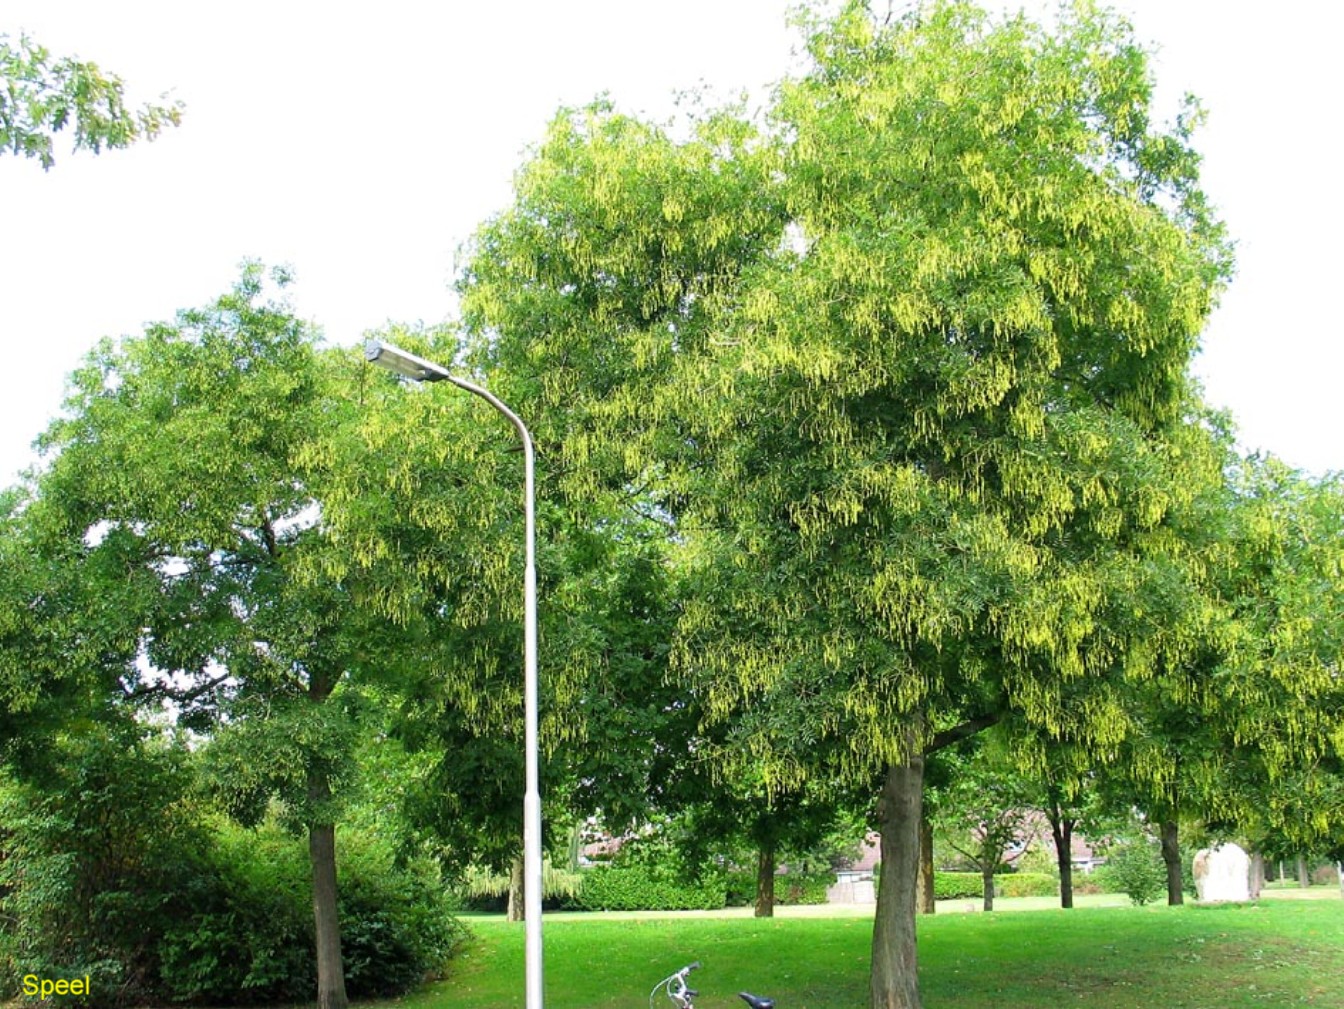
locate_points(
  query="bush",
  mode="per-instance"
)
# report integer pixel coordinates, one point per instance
(648, 888)
(1135, 869)
(956, 885)
(98, 862)
(799, 888)
(739, 888)
(1090, 883)
(252, 938)
(1026, 884)
(790, 889)
(110, 870)
(1325, 875)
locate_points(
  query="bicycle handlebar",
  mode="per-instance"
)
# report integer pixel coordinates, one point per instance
(675, 986)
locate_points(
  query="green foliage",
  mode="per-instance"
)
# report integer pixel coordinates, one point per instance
(557, 883)
(222, 479)
(648, 888)
(909, 430)
(984, 814)
(1135, 868)
(113, 870)
(250, 934)
(41, 96)
(800, 888)
(956, 885)
(98, 862)
(250, 938)
(968, 885)
(1026, 884)
(791, 888)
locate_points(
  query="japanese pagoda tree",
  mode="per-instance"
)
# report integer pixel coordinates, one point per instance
(900, 363)
(200, 490)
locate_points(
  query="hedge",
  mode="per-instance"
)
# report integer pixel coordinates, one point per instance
(643, 888)
(1026, 884)
(966, 885)
(954, 885)
(796, 888)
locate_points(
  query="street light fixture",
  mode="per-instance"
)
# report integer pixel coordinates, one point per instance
(417, 368)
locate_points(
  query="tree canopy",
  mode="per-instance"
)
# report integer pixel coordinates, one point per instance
(899, 360)
(41, 95)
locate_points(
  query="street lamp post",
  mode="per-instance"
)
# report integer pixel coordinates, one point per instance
(417, 368)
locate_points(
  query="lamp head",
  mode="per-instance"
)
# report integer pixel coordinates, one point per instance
(403, 362)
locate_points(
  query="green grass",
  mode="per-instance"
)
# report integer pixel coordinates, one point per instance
(1275, 953)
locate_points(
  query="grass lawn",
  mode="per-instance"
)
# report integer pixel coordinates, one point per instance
(1275, 953)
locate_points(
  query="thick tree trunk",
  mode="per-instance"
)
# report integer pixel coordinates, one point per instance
(894, 982)
(765, 882)
(1171, 854)
(928, 895)
(516, 908)
(987, 887)
(1339, 871)
(1061, 830)
(1257, 875)
(1303, 878)
(322, 852)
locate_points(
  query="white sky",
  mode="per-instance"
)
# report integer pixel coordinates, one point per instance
(363, 144)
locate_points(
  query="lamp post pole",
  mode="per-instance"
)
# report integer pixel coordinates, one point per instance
(417, 368)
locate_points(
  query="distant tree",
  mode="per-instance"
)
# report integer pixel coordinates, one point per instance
(40, 96)
(986, 815)
(1279, 701)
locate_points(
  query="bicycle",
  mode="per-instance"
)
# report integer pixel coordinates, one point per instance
(678, 992)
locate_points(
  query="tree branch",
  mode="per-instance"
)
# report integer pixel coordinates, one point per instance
(944, 739)
(181, 696)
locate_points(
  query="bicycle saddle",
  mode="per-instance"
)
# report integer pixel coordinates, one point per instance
(755, 1001)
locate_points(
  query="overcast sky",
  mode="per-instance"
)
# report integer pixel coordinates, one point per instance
(362, 145)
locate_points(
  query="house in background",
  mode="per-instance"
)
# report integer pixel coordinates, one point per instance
(854, 879)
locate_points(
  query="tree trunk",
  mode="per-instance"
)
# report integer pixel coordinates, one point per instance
(1061, 829)
(928, 894)
(765, 882)
(1257, 875)
(987, 886)
(1171, 854)
(516, 909)
(1339, 871)
(1303, 879)
(322, 852)
(894, 982)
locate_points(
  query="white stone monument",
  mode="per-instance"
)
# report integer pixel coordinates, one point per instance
(1222, 873)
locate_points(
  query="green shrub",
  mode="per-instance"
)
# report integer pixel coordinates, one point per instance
(110, 870)
(250, 935)
(956, 885)
(739, 888)
(1026, 884)
(800, 888)
(1135, 868)
(790, 889)
(396, 924)
(648, 888)
(251, 939)
(1090, 883)
(98, 862)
